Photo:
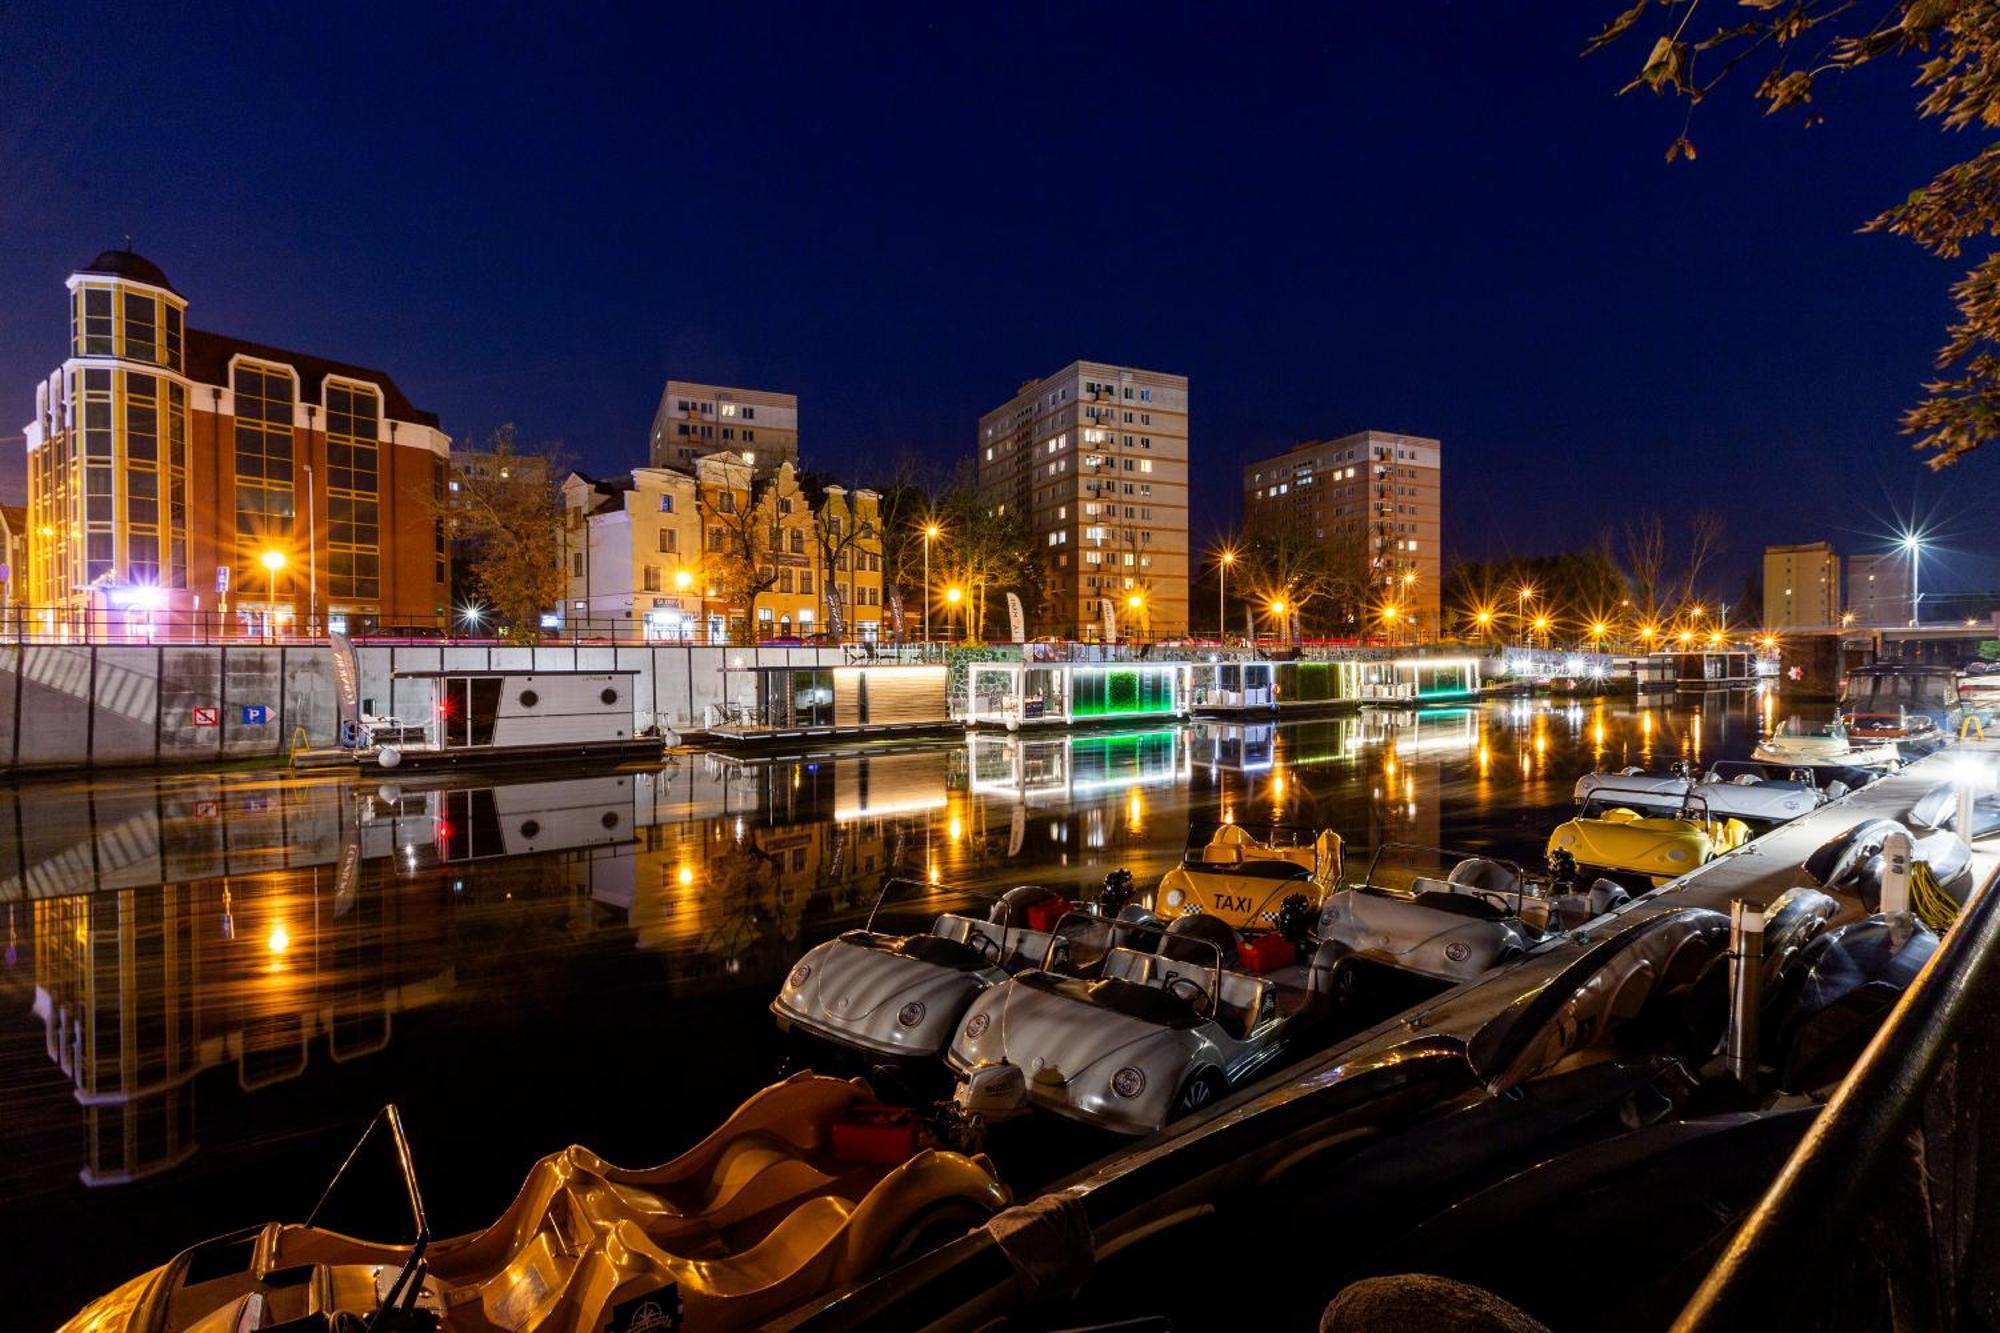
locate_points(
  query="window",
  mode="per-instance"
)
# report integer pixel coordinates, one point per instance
(670, 542)
(666, 504)
(141, 328)
(798, 542)
(805, 582)
(263, 440)
(173, 336)
(650, 578)
(94, 336)
(142, 479)
(353, 490)
(576, 564)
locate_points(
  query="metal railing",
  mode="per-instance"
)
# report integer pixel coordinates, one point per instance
(1887, 1214)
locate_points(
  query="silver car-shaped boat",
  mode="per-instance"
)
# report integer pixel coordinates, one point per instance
(1758, 793)
(900, 996)
(1152, 1034)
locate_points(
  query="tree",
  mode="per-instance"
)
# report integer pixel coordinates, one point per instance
(740, 553)
(843, 530)
(1955, 47)
(983, 552)
(505, 521)
(1320, 581)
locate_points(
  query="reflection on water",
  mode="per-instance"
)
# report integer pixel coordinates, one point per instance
(178, 948)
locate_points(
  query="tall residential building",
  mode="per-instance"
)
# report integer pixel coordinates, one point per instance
(1376, 495)
(695, 420)
(719, 555)
(1801, 586)
(173, 471)
(1095, 457)
(1878, 588)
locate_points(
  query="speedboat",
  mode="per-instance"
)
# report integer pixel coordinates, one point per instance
(1902, 701)
(1232, 874)
(1756, 793)
(901, 996)
(808, 1187)
(1799, 742)
(1649, 849)
(1153, 1034)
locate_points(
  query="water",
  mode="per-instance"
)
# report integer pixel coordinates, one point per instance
(211, 981)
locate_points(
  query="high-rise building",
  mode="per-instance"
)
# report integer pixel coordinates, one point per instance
(174, 472)
(1878, 588)
(1376, 496)
(1801, 586)
(1095, 458)
(695, 420)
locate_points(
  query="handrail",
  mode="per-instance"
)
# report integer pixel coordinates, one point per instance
(1809, 1210)
(409, 1281)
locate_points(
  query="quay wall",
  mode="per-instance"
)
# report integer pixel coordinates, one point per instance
(65, 706)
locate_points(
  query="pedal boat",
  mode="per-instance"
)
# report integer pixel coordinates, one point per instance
(1757, 793)
(1658, 849)
(1228, 873)
(806, 1188)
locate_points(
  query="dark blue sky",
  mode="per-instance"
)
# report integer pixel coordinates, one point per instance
(1422, 217)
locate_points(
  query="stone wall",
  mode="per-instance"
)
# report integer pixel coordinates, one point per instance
(80, 706)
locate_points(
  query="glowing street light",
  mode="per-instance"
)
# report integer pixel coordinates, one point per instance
(1913, 542)
(272, 560)
(683, 580)
(954, 595)
(1223, 560)
(931, 533)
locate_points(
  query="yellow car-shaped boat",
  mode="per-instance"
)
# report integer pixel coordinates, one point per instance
(1230, 873)
(1618, 840)
(806, 1188)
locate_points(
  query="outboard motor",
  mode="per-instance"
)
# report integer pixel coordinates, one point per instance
(1562, 872)
(1118, 890)
(1295, 918)
(1835, 993)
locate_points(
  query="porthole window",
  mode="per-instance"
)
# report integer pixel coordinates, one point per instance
(529, 698)
(531, 828)
(610, 696)
(610, 819)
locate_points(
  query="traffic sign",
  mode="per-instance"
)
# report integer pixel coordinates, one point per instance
(207, 809)
(207, 717)
(222, 578)
(256, 715)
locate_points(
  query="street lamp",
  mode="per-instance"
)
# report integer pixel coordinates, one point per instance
(1135, 604)
(1389, 615)
(272, 561)
(1225, 560)
(952, 596)
(1914, 544)
(1542, 627)
(1521, 596)
(931, 531)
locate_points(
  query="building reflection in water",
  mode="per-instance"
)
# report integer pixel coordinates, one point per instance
(257, 924)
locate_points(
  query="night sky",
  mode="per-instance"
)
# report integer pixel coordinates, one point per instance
(1423, 217)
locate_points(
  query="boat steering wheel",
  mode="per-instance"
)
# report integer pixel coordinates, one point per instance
(989, 948)
(1188, 989)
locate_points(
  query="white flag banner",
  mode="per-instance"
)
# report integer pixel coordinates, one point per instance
(1017, 623)
(1110, 619)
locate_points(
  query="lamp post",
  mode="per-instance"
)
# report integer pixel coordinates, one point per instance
(1228, 558)
(1914, 544)
(272, 561)
(1521, 597)
(1278, 610)
(1135, 604)
(931, 531)
(952, 597)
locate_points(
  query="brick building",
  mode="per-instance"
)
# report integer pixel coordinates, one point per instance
(179, 478)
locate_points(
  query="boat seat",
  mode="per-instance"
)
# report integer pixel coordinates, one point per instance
(1241, 1003)
(969, 931)
(1122, 964)
(1024, 948)
(1483, 872)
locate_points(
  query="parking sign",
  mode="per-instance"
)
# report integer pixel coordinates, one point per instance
(256, 715)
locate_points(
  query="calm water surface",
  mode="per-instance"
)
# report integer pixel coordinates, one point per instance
(211, 981)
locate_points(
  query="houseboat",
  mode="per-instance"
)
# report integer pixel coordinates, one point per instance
(479, 717)
(1032, 694)
(763, 705)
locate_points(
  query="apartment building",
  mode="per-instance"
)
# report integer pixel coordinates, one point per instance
(719, 555)
(695, 420)
(1095, 457)
(1801, 586)
(175, 472)
(1376, 494)
(1878, 589)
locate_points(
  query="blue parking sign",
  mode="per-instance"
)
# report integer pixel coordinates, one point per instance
(256, 715)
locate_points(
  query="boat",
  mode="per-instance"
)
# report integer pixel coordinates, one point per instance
(1918, 706)
(1647, 849)
(1129, 1038)
(809, 1186)
(1243, 879)
(1757, 793)
(888, 996)
(1800, 742)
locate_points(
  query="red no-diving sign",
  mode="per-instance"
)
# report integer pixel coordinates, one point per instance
(207, 717)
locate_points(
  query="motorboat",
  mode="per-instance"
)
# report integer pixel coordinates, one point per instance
(1242, 878)
(809, 1186)
(1620, 841)
(1757, 793)
(1805, 743)
(1903, 701)
(1129, 1037)
(900, 997)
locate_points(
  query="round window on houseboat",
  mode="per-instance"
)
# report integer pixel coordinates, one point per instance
(529, 698)
(609, 696)
(531, 828)
(610, 819)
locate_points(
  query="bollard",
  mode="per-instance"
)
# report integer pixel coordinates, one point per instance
(1895, 873)
(1746, 984)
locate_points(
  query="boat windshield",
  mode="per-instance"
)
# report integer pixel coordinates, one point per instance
(1885, 692)
(1834, 729)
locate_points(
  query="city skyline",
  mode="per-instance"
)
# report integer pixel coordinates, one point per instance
(496, 306)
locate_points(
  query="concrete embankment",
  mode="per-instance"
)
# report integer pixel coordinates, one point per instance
(79, 706)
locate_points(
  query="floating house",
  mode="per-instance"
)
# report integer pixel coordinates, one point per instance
(1027, 694)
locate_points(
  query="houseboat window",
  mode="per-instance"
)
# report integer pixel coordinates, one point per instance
(474, 701)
